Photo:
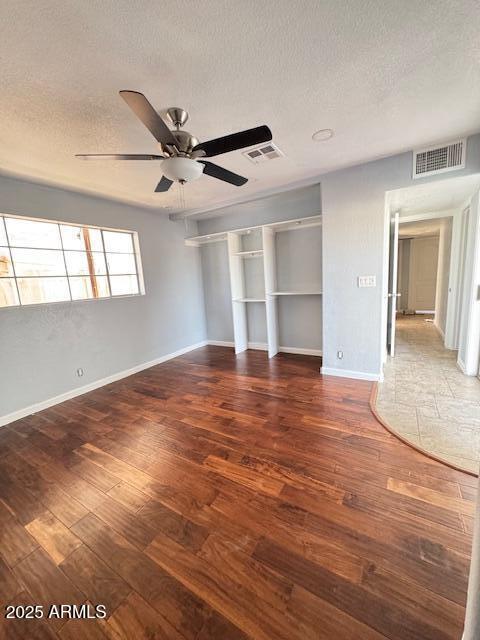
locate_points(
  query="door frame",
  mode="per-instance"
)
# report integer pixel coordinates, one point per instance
(392, 284)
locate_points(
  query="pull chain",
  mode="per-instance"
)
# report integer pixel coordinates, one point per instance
(181, 196)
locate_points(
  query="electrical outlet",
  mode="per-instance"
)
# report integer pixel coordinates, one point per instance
(79, 372)
(367, 281)
(340, 355)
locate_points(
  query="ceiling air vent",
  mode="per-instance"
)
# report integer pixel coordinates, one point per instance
(439, 159)
(262, 154)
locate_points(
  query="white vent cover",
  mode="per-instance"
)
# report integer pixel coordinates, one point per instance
(261, 154)
(446, 157)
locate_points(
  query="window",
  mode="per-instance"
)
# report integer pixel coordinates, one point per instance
(42, 261)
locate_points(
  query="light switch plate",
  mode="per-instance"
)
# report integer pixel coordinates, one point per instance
(367, 281)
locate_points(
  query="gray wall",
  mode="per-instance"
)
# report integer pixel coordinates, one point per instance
(299, 266)
(41, 347)
(254, 277)
(300, 322)
(299, 259)
(298, 203)
(256, 323)
(216, 285)
(355, 234)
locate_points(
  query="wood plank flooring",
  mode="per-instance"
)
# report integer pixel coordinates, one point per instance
(216, 497)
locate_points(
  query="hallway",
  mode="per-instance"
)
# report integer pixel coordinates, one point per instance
(425, 398)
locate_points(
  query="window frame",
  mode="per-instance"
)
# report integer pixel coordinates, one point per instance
(136, 254)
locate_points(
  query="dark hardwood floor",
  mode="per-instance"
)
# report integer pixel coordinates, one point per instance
(214, 497)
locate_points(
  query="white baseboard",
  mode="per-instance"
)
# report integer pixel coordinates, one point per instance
(221, 343)
(259, 346)
(461, 366)
(357, 375)
(440, 330)
(262, 346)
(301, 351)
(78, 391)
(422, 311)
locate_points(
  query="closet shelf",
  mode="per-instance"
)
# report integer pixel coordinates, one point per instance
(296, 293)
(287, 225)
(249, 254)
(256, 281)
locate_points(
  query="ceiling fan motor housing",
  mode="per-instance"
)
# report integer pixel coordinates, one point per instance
(185, 144)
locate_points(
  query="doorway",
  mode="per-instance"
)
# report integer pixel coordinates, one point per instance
(426, 397)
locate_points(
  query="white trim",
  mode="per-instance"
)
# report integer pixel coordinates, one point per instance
(136, 254)
(416, 217)
(439, 329)
(265, 193)
(454, 279)
(461, 366)
(357, 375)
(420, 311)
(301, 351)
(463, 369)
(263, 347)
(314, 220)
(259, 346)
(78, 391)
(63, 222)
(221, 343)
(471, 309)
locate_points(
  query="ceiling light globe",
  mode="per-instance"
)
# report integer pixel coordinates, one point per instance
(182, 169)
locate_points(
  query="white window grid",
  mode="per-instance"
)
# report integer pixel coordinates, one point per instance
(136, 254)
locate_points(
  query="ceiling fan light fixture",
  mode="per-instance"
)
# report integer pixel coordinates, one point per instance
(181, 151)
(182, 169)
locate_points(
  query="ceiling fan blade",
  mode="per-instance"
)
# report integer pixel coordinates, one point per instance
(142, 108)
(163, 185)
(215, 171)
(235, 141)
(117, 156)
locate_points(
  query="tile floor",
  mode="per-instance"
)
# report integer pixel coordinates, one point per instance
(427, 400)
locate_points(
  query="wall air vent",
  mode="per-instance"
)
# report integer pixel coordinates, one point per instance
(439, 159)
(262, 154)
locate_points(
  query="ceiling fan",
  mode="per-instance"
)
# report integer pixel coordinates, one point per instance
(182, 153)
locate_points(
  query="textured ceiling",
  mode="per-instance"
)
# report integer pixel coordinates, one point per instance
(385, 76)
(434, 196)
(424, 228)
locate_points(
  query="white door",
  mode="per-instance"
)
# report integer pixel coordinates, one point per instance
(392, 284)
